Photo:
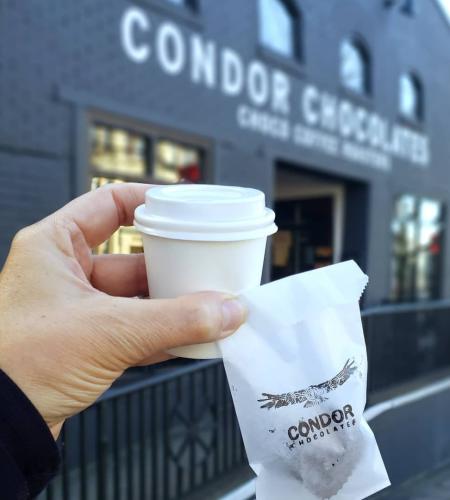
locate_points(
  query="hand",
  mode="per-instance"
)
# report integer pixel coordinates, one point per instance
(69, 321)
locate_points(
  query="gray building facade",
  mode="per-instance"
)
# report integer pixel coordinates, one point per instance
(343, 126)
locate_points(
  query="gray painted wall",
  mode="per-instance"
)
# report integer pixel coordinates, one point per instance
(59, 60)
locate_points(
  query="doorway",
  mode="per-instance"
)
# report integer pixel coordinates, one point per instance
(310, 217)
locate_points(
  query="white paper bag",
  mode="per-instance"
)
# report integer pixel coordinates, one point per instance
(297, 371)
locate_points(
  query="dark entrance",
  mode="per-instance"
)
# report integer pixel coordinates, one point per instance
(322, 219)
(305, 235)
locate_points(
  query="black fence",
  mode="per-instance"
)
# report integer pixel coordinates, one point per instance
(161, 438)
(167, 435)
(406, 342)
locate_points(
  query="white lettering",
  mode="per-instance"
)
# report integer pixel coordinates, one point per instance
(336, 127)
(203, 61)
(170, 48)
(374, 132)
(366, 156)
(257, 83)
(360, 125)
(232, 72)
(425, 151)
(385, 144)
(345, 118)
(263, 122)
(281, 89)
(328, 118)
(315, 139)
(309, 100)
(134, 18)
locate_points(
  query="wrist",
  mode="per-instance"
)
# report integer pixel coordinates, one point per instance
(55, 430)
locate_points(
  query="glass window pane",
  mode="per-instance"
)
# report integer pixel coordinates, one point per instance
(430, 211)
(175, 162)
(115, 151)
(417, 229)
(405, 207)
(408, 97)
(276, 27)
(427, 234)
(353, 69)
(117, 154)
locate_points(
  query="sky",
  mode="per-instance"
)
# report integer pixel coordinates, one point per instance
(446, 5)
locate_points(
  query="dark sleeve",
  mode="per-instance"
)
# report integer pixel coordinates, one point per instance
(29, 456)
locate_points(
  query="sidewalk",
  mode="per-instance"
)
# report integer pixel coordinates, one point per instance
(433, 485)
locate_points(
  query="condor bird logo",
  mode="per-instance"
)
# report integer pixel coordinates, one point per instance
(312, 395)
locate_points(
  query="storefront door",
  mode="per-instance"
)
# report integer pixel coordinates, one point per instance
(309, 215)
(305, 236)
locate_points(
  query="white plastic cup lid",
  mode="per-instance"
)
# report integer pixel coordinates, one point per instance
(205, 212)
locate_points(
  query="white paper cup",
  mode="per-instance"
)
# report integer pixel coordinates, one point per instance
(203, 237)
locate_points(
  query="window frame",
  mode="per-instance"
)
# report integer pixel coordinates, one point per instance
(152, 133)
(295, 61)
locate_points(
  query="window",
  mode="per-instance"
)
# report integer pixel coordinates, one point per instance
(417, 229)
(116, 151)
(410, 97)
(185, 3)
(354, 67)
(175, 162)
(406, 7)
(278, 27)
(118, 155)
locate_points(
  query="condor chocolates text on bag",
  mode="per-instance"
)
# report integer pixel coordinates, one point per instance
(297, 372)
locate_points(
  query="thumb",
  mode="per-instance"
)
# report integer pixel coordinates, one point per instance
(142, 327)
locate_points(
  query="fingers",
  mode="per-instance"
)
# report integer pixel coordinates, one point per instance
(99, 213)
(196, 318)
(156, 358)
(120, 275)
(140, 328)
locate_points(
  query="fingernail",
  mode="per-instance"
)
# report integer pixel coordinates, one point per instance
(233, 315)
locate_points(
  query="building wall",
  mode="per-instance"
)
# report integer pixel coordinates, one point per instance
(61, 61)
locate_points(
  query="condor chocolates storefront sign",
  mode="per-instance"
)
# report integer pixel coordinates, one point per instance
(269, 101)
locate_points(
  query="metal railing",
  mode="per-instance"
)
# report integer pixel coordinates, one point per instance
(406, 342)
(165, 436)
(161, 438)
